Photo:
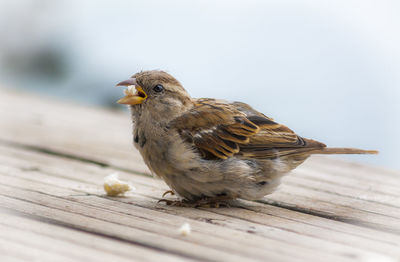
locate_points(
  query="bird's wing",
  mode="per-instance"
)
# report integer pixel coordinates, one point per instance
(219, 130)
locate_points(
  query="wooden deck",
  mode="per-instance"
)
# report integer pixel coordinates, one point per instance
(54, 156)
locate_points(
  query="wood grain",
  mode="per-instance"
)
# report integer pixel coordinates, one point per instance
(54, 156)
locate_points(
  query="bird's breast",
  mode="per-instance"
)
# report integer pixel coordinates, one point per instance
(156, 145)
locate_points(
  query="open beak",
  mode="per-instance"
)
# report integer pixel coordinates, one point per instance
(134, 94)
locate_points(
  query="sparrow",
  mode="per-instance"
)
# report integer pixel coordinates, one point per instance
(209, 151)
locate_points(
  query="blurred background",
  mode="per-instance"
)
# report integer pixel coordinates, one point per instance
(330, 70)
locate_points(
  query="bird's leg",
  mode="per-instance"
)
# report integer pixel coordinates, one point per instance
(215, 202)
(168, 192)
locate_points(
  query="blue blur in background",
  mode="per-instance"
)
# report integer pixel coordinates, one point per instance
(330, 70)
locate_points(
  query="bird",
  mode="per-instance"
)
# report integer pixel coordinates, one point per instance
(211, 151)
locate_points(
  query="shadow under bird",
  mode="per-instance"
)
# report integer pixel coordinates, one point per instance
(210, 151)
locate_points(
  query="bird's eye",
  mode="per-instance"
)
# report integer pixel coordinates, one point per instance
(158, 88)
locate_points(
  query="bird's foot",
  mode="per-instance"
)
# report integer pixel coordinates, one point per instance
(176, 203)
(207, 202)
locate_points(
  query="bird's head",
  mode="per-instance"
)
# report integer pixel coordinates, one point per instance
(156, 93)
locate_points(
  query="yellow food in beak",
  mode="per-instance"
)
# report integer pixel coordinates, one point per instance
(133, 98)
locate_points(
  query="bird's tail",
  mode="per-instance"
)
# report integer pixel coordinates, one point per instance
(341, 150)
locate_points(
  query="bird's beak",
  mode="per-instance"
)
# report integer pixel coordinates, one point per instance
(132, 97)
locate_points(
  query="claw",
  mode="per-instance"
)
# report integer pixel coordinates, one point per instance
(168, 202)
(168, 192)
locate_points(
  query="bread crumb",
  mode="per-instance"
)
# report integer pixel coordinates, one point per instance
(114, 187)
(185, 229)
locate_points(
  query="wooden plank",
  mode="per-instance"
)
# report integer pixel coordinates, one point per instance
(349, 182)
(79, 176)
(316, 230)
(21, 251)
(90, 133)
(53, 167)
(63, 248)
(116, 230)
(389, 203)
(87, 143)
(358, 168)
(339, 168)
(147, 190)
(229, 219)
(95, 245)
(348, 205)
(328, 204)
(242, 244)
(75, 130)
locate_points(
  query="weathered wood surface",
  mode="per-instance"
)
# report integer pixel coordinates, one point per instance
(54, 156)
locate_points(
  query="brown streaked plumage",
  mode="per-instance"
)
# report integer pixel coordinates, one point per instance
(208, 149)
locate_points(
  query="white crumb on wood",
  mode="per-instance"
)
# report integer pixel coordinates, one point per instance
(114, 187)
(185, 229)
